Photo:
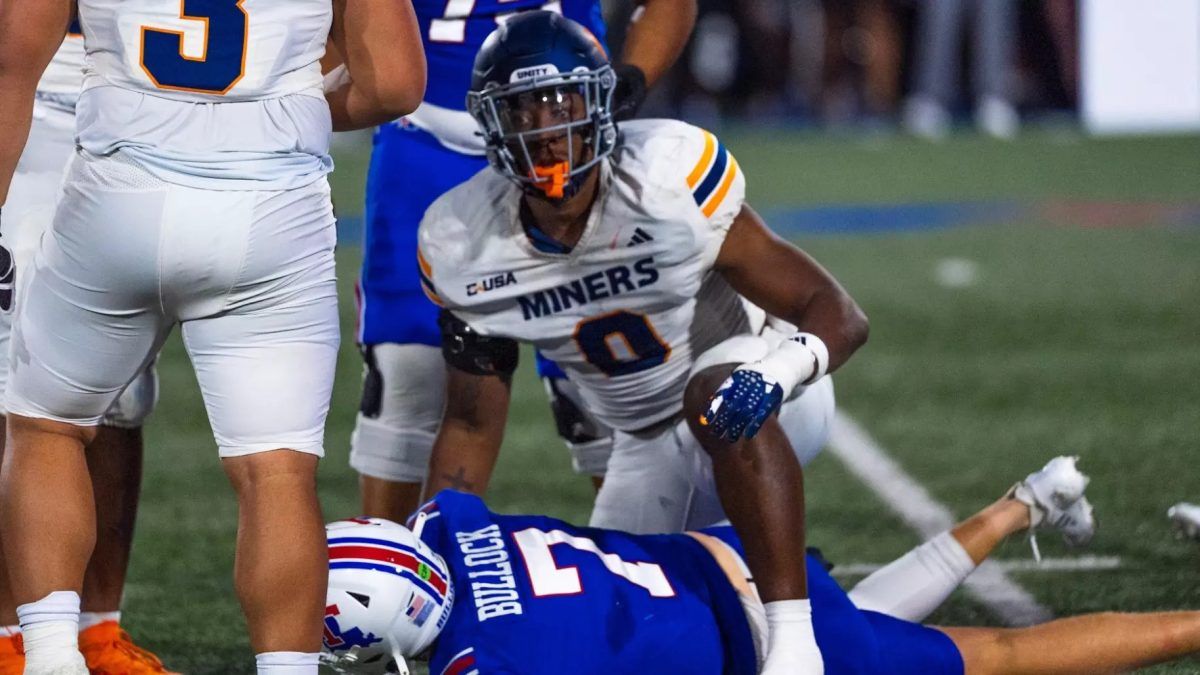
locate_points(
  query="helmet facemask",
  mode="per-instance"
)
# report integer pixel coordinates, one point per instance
(547, 132)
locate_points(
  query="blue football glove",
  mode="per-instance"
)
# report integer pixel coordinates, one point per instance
(742, 404)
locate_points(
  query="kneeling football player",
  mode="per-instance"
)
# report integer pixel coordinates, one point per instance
(629, 257)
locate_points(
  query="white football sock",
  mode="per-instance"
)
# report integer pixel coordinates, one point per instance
(791, 643)
(287, 663)
(10, 631)
(50, 628)
(89, 619)
(915, 584)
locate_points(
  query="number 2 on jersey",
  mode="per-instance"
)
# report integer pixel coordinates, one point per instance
(548, 579)
(452, 27)
(220, 66)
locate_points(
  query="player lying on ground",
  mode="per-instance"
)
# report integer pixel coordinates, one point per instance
(482, 592)
(628, 256)
(198, 196)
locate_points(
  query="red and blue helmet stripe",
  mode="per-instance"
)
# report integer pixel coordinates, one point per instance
(365, 553)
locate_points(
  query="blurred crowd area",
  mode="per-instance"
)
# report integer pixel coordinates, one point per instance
(921, 65)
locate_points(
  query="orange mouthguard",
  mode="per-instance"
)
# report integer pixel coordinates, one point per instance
(557, 173)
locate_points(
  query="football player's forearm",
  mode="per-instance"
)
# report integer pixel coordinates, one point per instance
(657, 36)
(30, 32)
(832, 315)
(16, 114)
(380, 44)
(791, 285)
(463, 459)
(353, 109)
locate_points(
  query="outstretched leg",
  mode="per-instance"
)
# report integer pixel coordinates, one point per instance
(914, 585)
(1084, 645)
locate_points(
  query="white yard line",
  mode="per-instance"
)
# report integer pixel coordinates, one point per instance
(989, 584)
(1085, 563)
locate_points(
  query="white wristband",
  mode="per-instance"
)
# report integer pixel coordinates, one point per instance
(819, 351)
(803, 358)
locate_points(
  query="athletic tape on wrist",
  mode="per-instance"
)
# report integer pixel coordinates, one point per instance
(817, 346)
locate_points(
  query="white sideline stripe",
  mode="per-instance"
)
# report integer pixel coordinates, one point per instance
(989, 584)
(1085, 563)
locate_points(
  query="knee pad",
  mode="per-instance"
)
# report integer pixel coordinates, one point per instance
(135, 402)
(588, 439)
(404, 392)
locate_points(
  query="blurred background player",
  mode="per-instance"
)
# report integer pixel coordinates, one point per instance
(578, 595)
(417, 159)
(941, 26)
(629, 257)
(114, 457)
(198, 196)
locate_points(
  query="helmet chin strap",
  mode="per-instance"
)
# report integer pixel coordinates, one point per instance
(419, 525)
(401, 664)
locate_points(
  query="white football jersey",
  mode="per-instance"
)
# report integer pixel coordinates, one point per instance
(63, 78)
(629, 308)
(228, 96)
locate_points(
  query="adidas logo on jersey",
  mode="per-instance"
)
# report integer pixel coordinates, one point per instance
(640, 236)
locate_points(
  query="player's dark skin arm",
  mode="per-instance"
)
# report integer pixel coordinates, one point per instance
(789, 284)
(657, 35)
(30, 32)
(468, 442)
(759, 479)
(380, 44)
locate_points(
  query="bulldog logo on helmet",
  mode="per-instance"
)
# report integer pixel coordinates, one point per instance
(336, 639)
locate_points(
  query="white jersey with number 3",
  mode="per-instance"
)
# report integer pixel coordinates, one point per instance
(217, 94)
(626, 311)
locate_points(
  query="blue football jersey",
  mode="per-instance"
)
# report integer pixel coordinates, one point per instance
(453, 31)
(535, 595)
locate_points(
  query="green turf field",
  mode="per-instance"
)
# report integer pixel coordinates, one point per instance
(1081, 334)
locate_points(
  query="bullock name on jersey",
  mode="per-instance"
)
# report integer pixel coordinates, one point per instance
(537, 596)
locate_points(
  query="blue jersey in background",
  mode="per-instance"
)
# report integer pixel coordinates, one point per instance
(453, 31)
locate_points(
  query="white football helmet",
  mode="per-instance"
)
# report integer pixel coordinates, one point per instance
(389, 596)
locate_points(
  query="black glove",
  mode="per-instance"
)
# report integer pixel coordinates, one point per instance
(630, 92)
(8, 279)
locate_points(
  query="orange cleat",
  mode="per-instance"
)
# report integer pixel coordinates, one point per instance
(12, 655)
(109, 651)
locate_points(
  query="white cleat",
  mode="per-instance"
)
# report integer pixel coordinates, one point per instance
(1055, 499)
(1185, 518)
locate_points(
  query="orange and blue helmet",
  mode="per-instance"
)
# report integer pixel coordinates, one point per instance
(541, 92)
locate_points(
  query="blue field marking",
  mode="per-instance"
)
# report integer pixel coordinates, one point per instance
(872, 218)
(836, 218)
(866, 219)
